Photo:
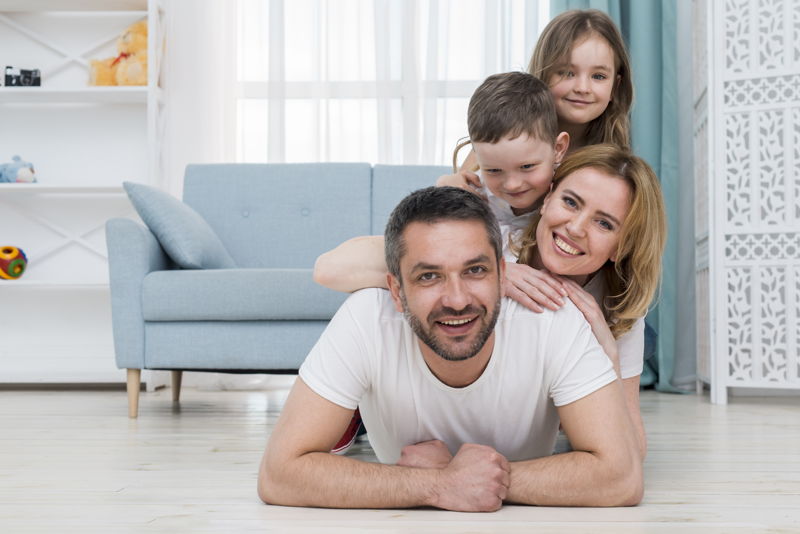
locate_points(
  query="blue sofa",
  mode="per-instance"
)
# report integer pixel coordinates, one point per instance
(248, 304)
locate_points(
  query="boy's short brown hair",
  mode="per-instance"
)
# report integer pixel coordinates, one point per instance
(510, 104)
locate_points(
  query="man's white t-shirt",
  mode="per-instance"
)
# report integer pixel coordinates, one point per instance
(368, 357)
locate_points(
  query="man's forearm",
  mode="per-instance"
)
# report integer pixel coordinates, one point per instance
(326, 480)
(575, 479)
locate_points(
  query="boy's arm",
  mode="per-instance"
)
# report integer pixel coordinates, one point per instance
(298, 470)
(356, 264)
(604, 468)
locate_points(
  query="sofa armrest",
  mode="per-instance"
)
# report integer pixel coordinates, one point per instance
(133, 252)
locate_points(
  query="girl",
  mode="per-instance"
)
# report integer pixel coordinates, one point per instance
(599, 237)
(582, 57)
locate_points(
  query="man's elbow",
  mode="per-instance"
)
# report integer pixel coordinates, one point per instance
(270, 490)
(629, 484)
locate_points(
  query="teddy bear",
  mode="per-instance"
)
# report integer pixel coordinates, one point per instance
(17, 171)
(130, 65)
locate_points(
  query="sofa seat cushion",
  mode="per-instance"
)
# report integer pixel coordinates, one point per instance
(237, 295)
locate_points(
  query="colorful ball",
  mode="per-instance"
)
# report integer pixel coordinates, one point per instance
(12, 262)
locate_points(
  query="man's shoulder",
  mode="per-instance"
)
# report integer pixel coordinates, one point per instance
(569, 314)
(372, 303)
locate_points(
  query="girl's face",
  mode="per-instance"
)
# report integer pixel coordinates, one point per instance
(583, 88)
(581, 221)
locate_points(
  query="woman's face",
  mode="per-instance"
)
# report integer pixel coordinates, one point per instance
(581, 223)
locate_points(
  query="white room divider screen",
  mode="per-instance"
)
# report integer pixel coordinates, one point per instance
(747, 176)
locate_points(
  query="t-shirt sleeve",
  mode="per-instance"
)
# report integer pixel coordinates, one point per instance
(578, 365)
(630, 347)
(337, 368)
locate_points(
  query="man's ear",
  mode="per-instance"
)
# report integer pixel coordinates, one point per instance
(394, 288)
(502, 267)
(561, 146)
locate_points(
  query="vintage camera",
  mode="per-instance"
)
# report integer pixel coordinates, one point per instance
(22, 77)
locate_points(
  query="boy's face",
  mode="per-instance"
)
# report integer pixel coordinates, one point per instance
(520, 170)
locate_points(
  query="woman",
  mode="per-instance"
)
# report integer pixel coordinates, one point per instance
(598, 239)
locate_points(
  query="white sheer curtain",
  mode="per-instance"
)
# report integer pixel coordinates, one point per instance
(383, 81)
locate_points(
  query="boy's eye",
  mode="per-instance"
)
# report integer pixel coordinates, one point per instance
(491, 171)
(528, 166)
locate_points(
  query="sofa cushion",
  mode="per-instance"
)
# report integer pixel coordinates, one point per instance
(237, 295)
(277, 215)
(182, 232)
(391, 183)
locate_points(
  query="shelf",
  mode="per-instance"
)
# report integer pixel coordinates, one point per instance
(74, 5)
(37, 189)
(118, 95)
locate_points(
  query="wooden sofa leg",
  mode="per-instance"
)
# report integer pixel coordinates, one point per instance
(176, 385)
(134, 384)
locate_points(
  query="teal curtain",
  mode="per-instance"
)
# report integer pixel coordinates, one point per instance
(649, 30)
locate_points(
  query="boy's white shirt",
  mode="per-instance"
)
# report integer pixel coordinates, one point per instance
(630, 345)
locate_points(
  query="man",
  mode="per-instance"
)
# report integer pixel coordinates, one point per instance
(462, 391)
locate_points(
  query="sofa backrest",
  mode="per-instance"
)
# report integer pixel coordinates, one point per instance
(390, 183)
(281, 215)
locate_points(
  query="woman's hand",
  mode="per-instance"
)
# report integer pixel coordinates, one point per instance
(594, 315)
(465, 180)
(532, 288)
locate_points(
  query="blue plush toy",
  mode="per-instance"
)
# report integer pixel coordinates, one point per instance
(17, 171)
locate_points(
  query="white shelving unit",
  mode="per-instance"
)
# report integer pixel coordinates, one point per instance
(747, 194)
(84, 142)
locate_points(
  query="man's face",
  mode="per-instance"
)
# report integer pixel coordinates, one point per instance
(450, 293)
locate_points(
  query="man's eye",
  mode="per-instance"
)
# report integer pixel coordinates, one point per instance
(477, 269)
(427, 277)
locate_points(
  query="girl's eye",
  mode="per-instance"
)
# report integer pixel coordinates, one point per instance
(599, 76)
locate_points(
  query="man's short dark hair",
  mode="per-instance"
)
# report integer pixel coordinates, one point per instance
(431, 205)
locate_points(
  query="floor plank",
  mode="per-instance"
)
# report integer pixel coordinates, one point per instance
(72, 461)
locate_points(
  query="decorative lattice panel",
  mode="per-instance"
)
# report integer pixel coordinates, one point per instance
(747, 150)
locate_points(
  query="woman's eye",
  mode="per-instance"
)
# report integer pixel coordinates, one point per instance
(570, 202)
(605, 224)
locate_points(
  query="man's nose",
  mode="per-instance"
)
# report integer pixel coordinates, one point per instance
(456, 295)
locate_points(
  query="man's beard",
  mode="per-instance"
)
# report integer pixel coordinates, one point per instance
(427, 337)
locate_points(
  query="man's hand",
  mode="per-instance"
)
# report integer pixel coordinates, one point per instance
(475, 480)
(533, 288)
(431, 454)
(465, 180)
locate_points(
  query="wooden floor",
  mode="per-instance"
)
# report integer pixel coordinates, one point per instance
(73, 462)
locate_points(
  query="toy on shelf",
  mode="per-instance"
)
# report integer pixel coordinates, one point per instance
(130, 65)
(12, 262)
(18, 171)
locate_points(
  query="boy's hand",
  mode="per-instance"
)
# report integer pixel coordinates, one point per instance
(533, 288)
(594, 316)
(465, 180)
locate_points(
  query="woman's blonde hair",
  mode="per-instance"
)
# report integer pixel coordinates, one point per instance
(633, 279)
(553, 50)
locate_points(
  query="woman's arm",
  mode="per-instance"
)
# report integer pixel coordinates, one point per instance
(355, 264)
